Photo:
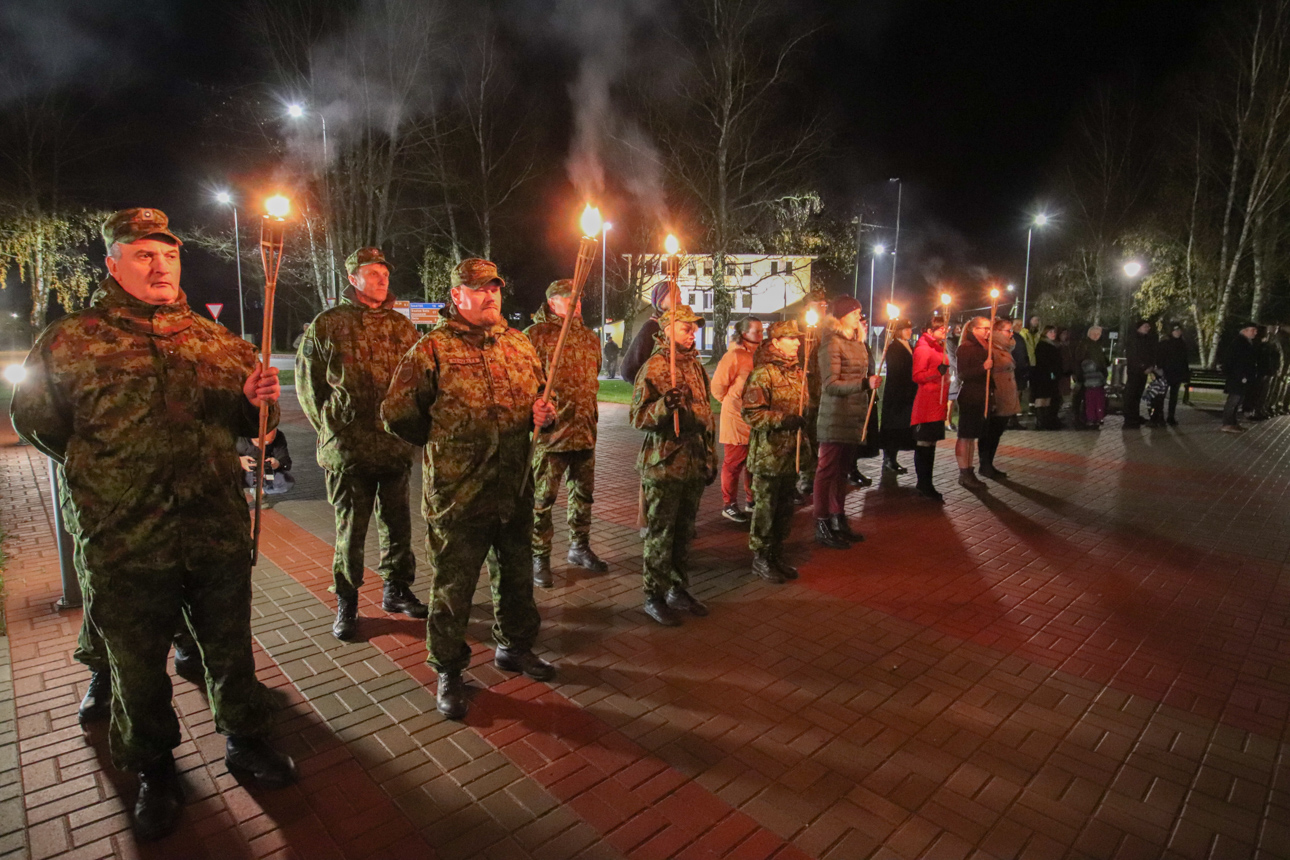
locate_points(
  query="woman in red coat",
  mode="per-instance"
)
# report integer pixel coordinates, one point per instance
(931, 369)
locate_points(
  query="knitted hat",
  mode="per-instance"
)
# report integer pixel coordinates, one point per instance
(843, 305)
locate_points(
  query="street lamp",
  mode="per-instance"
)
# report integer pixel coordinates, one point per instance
(895, 248)
(604, 255)
(295, 110)
(1133, 268)
(878, 251)
(226, 199)
(1041, 221)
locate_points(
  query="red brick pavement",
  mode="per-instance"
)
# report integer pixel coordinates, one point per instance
(1087, 661)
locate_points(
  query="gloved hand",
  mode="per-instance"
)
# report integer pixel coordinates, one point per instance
(672, 399)
(793, 422)
(943, 369)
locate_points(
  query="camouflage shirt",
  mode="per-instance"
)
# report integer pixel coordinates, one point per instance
(664, 456)
(772, 393)
(344, 365)
(466, 393)
(577, 383)
(142, 404)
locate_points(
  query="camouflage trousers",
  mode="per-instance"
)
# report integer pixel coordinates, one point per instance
(772, 514)
(578, 470)
(456, 552)
(806, 477)
(354, 495)
(134, 608)
(671, 508)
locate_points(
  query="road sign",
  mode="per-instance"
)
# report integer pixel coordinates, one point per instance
(215, 308)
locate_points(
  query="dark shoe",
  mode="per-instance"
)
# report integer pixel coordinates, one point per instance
(189, 667)
(542, 572)
(842, 528)
(824, 535)
(968, 478)
(254, 758)
(346, 618)
(989, 471)
(581, 555)
(160, 802)
(523, 661)
(681, 600)
(784, 569)
(763, 567)
(97, 704)
(856, 479)
(891, 465)
(801, 499)
(399, 598)
(451, 697)
(927, 491)
(734, 514)
(657, 608)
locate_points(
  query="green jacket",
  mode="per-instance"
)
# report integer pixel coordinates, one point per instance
(344, 365)
(577, 381)
(664, 456)
(142, 405)
(466, 393)
(771, 395)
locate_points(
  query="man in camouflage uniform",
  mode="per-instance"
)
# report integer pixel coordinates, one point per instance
(771, 401)
(343, 368)
(816, 301)
(674, 469)
(470, 392)
(141, 400)
(568, 451)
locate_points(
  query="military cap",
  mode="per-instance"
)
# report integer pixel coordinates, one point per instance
(131, 225)
(784, 328)
(683, 314)
(364, 256)
(475, 273)
(562, 287)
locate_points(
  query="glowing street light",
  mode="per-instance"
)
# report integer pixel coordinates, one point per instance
(1040, 221)
(295, 111)
(15, 373)
(1133, 268)
(226, 199)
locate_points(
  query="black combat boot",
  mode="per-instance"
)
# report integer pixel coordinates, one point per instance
(160, 802)
(924, 461)
(253, 757)
(346, 618)
(842, 528)
(188, 665)
(511, 660)
(656, 607)
(824, 535)
(681, 600)
(857, 479)
(399, 598)
(891, 464)
(782, 567)
(542, 572)
(581, 555)
(763, 567)
(97, 704)
(451, 698)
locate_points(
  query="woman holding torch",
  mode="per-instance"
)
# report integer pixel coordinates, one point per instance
(930, 370)
(974, 365)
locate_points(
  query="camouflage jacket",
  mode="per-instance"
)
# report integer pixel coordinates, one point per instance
(142, 404)
(772, 394)
(466, 393)
(664, 456)
(577, 383)
(344, 365)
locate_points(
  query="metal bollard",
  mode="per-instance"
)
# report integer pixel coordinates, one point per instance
(71, 598)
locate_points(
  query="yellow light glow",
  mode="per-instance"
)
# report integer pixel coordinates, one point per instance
(671, 244)
(994, 293)
(945, 298)
(590, 222)
(15, 373)
(277, 206)
(812, 317)
(892, 312)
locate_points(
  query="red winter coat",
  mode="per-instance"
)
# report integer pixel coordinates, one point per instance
(933, 388)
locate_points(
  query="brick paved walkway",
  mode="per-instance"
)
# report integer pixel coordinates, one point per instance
(1091, 660)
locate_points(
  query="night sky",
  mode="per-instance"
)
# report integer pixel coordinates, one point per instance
(970, 104)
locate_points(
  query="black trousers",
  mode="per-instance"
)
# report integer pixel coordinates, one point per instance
(988, 444)
(1173, 398)
(1134, 384)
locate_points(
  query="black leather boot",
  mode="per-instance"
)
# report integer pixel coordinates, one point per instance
(451, 698)
(399, 598)
(763, 567)
(924, 461)
(188, 665)
(527, 662)
(254, 758)
(784, 569)
(346, 624)
(581, 555)
(97, 704)
(824, 535)
(656, 607)
(542, 572)
(160, 802)
(842, 528)
(681, 600)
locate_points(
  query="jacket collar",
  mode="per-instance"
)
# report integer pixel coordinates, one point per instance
(349, 296)
(661, 344)
(139, 316)
(546, 315)
(478, 335)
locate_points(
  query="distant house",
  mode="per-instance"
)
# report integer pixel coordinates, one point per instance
(763, 285)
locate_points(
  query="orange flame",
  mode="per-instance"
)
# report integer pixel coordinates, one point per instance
(671, 244)
(277, 206)
(892, 312)
(590, 221)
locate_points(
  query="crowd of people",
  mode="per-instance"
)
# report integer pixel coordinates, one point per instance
(152, 414)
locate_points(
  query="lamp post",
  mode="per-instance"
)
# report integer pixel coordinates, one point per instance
(895, 248)
(227, 199)
(1040, 220)
(1132, 270)
(873, 258)
(295, 110)
(604, 255)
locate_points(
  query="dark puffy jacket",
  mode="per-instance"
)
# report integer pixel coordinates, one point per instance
(1140, 351)
(971, 368)
(1047, 369)
(844, 386)
(639, 350)
(1172, 355)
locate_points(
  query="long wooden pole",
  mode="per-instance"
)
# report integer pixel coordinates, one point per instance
(873, 394)
(801, 396)
(272, 237)
(989, 345)
(673, 267)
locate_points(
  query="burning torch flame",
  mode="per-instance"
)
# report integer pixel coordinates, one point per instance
(277, 206)
(945, 299)
(590, 222)
(671, 245)
(994, 293)
(812, 317)
(892, 312)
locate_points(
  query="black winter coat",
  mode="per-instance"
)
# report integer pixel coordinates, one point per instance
(971, 358)
(1172, 356)
(1240, 365)
(898, 395)
(1140, 352)
(1048, 367)
(639, 350)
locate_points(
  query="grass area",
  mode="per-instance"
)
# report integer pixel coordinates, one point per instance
(617, 391)
(287, 376)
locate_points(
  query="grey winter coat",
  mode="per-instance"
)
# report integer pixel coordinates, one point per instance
(844, 386)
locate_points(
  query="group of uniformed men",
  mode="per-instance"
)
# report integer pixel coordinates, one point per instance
(140, 401)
